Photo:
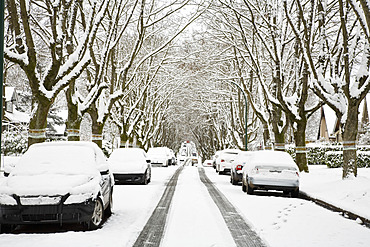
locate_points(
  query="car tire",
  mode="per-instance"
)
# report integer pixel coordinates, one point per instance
(249, 189)
(97, 216)
(295, 193)
(244, 188)
(145, 178)
(108, 211)
(234, 182)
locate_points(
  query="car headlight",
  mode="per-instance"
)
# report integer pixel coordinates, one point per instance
(7, 200)
(78, 198)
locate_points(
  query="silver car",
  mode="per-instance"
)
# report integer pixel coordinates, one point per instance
(271, 170)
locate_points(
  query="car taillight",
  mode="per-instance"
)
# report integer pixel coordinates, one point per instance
(222, 160)
(239, 167)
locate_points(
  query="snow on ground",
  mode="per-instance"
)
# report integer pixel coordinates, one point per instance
(351, 194)
(194, 219)
(284, 221)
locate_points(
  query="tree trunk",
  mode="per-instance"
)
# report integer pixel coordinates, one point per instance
(73, 123)
(38, 121)
(97, 127)
(349, 141)
(300, 143)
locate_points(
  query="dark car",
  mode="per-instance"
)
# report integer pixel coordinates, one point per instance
(57, 182)
(236, 173)
(130, 165)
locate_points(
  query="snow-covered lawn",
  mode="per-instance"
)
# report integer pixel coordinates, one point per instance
(351, 194)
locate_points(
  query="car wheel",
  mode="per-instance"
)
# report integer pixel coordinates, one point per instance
(97, 216)
(145, 181)
(294, 193)
(234, 182)
(244, 188)
(249, 189)
(109, 209)
(231, 178)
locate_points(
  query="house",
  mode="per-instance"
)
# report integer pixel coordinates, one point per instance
(13, 118)
(329, 126)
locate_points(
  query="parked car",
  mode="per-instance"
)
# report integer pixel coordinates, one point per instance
(208, 163)
(160, 156)
(130, 165)
(214, 158)
(173, 158)
(223, 161)
(57, 182)
(237, 165)
(271, 170)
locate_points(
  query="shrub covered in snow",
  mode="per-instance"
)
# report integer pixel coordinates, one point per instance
(332, 155)
(13, 144)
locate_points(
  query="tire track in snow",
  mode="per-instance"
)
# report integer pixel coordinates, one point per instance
(152, 233)
(242, 233)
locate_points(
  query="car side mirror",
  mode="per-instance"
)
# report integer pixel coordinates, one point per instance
(103, 169)
(148, 161)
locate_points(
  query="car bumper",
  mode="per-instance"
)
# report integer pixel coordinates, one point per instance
(129, 178)
(273, 184)
(46, 214)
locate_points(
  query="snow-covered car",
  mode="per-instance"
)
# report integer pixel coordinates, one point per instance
(224, 159)
(208, 163)
(173, 158)
(237, 165)
(57, 182)
(160, 156)
(130, 165)
(271, 170)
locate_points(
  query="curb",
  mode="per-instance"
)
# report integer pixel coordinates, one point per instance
(345, 213)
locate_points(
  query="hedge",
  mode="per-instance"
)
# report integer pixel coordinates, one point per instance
(332, 155)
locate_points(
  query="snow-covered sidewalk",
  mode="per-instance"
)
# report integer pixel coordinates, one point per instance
(326, 184)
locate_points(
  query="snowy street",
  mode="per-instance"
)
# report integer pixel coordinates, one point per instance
(195, 220)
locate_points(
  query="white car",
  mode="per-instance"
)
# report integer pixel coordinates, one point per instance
(57, 182)
(130, 165)
(160, 156)
(224, 160)
(208, 163)
(271, 170)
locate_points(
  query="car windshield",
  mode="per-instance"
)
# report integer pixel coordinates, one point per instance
(64, 159)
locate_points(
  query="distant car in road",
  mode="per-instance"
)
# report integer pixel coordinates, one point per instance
(271, 170)
(194, 158)
(160, 156)
(237, 165)
(224, 159)
(57, 182)
(130, 165)
(208, 163)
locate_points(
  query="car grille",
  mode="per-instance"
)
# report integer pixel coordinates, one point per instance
(39, 217)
